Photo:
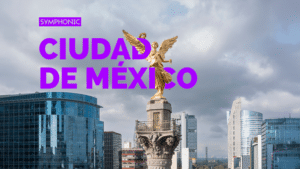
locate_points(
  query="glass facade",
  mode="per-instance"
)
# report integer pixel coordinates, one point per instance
(281, 143)
(192, 135)
(250, 127)
(50, 130)
(187, 125)
(112, 150)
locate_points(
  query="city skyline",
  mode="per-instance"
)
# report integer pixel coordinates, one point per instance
(238, 49)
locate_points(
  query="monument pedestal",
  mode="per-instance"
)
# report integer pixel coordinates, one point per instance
(158, 135)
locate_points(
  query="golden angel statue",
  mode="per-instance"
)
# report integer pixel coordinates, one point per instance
(156, 58)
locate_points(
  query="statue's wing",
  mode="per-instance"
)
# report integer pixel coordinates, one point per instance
(166, 45)
(134, 42)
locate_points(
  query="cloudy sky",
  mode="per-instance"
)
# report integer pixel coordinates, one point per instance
(247, 49)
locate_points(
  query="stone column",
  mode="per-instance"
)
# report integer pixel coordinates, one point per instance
(158, 135)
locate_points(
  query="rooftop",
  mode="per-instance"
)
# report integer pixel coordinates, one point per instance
(45, 96)
(112, 132)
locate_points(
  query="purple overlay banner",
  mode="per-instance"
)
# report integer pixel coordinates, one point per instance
(60, 21)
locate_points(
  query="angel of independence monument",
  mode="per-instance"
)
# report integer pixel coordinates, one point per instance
(158, 135)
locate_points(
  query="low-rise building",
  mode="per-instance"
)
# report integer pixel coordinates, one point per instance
(133, 157)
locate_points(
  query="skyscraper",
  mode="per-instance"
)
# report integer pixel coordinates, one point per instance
(112, 150)
(243, 125)
(188, 127)
(281, 143)
(206, 151)
(50, 130)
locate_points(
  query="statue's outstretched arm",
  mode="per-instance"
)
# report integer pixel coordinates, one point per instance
(165, 61)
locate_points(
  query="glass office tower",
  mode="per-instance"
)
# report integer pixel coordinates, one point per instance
(250, 127)
(187, 125)
(281, 143)
(112, 150)
(50, 130)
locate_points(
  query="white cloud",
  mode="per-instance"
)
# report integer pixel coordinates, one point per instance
(6, 90)
(22, 64)
(189, 3)
(196, 44)
(202, 41)
(255, 64)
(273, 101)
(18, 61)
(262, 72)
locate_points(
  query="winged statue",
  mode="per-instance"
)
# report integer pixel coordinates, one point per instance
(156, 58)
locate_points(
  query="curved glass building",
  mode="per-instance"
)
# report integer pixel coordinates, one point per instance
(50, 130)
(250, 127)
